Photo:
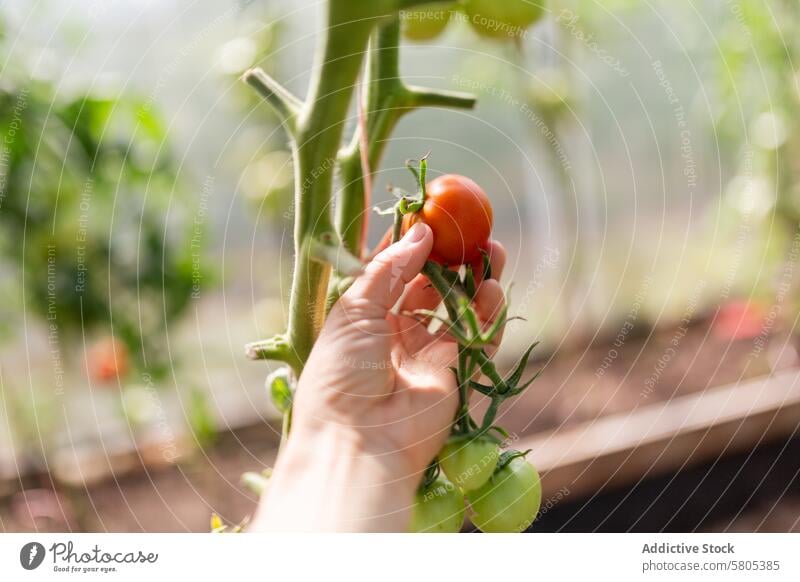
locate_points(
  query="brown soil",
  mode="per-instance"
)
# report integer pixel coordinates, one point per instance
(173, 499)
(603, 380)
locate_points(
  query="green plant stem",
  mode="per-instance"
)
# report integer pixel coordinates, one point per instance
(319, 131)
(397, 226)
(487, 367)
(274, 348)
(431, 271)
(490, 415)
(285, 104)
(466, 356)
(387, 99)
(315, 127)
(462, 377)
(383, 94)
(286, 427)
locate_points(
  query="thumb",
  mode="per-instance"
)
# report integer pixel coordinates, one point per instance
(384, 278)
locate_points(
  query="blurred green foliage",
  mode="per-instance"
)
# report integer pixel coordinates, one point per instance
(759, 89)
(267, 182)
(92, 215)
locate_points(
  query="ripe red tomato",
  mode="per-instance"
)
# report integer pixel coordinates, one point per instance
(460, 216)
(739, 319)
(107, 359)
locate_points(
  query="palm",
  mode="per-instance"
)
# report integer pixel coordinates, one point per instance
(388, 377)
(391, 377)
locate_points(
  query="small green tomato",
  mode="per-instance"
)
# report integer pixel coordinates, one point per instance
(509, 501)
(469, 463)
(439, 508)
(503, 18)
(425, 23)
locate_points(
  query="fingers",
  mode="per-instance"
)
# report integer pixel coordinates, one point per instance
(489, 302)
(497, 258)
(490, 298)
(384, 278)
(420, 294)
(385, 241)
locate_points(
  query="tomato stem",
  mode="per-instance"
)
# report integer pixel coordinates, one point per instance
(423, 176)
(286, 105)
(462, 377)
(397, 227)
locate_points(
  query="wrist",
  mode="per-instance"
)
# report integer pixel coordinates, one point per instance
(330, 478)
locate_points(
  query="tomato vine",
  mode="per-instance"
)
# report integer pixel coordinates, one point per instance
(361, 39)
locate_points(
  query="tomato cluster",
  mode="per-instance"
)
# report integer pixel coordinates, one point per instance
(503, 491)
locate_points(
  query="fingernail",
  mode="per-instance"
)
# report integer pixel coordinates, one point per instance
(416, 233)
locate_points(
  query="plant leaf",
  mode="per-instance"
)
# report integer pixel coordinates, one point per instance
(279, 384)
(482, 388)
(514, 378)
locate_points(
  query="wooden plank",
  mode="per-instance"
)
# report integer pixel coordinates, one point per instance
(619, 450)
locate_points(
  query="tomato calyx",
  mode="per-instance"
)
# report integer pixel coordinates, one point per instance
(421, 177)
(431, 475)
(507, 456)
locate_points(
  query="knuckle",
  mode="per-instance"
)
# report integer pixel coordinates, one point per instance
(384, 262)
(354, 307)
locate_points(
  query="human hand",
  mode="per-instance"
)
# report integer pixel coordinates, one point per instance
(375, 403)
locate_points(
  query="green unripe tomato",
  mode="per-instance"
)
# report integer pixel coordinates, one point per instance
(469, 463)
(503, 18)
(550, 91)
(425, 23)
(509, 501)
(439, 508)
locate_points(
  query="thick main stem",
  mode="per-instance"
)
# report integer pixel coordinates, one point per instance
(318, 135)
(316, 126)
